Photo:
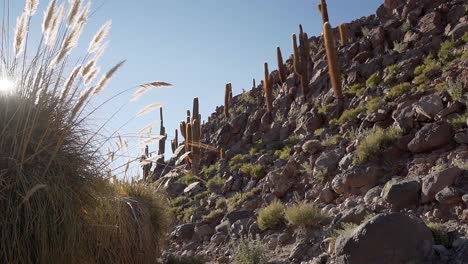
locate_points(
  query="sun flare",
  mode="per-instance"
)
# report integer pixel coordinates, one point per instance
(6, 86)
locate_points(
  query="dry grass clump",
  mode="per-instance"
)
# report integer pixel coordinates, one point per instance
(304, 214)
(250, 251)
(270, 216)
(374, 142)
(57, 204)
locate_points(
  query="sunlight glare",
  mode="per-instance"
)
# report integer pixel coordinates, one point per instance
(6, 86)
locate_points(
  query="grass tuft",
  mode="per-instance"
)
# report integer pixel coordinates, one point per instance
(304, 214)
(250, 251)
(398, 90)
(374, 80)
(374, 142)
(270, 216)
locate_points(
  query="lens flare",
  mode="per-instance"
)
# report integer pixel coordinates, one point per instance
(6, 86)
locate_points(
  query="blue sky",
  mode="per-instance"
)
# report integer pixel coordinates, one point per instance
(199, 46)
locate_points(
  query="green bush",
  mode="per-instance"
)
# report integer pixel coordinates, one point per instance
(210, 170)
(179, 201)
(325, 108)
(331, 141)
(218, 213)
(398, 90)
(421, 71)
(215, 183)
(465, 37)
(374, 142)
(356, 89)
(250, 251)
(347, 115)
(270, 216)
(187, 179)
(304, 214)
(446, 51)
(440, 234)
(459, 121)
(221, 203)
(373, 80)
(253, 170)
(373, 104)
(284, 153)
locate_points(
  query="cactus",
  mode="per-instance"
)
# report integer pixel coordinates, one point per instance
(188, 139)
(196, 145)
(333, 67)
(343, 35)
(281, 68)
(226, 100)
(222, 153)
(253, 84)
(162, 132)
(146, 168)
(322, 7)
(183, 129)
(267, 89)
(300, 64)
(175, 141)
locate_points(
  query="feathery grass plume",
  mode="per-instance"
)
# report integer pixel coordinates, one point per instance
(144, 88)
(92, 75)
(101, 51)
(152, 139)
(99, 37)
(31, 7)
(83, 16)
(51, 34)
(69, 82)
(146, 130)
(105, 79)
(88, 67)
(149, 108)
(82, 100)
(127, 166)
(69, 43)
(48, 17)
(182, 158)
(74, 9)
(20, 33)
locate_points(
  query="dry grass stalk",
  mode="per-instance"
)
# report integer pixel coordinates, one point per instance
(70, 80)
(49, 15)
(149, 108)
(31, 7)
(105, 79)
(20, 34)
(99, 37)
(73, 13)
(51, 34)
(144, 88)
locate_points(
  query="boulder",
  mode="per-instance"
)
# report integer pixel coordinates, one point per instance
(386, 239)
(377, 38)
(279, 181)
(312, 146)
(429, 106)
(357, 180)
(436, 182)
(431, 23)
(449, 195)
(234, 216)
(354, 215)
(194, 188)
(327, 162)
(431, 136)
(184, 232)
(402, 193)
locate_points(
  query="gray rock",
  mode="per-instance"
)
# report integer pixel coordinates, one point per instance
(204, 231)
(312, 146)
(354, 215)
(372, 193)
(431, 136)
(357, 180)
(279, 181)
(328, 161)
(194, 188)
(431, 23)
(436, 182)
(449, 195)
(238, 215)
(459, 30)
(223, 227)
(185, 231)
(299, 251)
(386, 239)
(462, 137)
(429, 106)
(402, 193)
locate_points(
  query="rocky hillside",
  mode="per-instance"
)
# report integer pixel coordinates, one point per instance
(379, 176)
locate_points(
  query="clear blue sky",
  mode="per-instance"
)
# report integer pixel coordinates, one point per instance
(199, 46)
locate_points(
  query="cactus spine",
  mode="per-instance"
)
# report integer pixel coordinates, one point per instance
(227, 99)
(300, 63)
(332, 58)
(322, 7)
(343, 35)
(281, 68)
(267, 89)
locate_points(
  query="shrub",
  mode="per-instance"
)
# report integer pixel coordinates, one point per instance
(440, 234)
(373, 80)
(252, 169)
(398, 90)
(373, 105)
(250, 251)
(215, 183)
(398, 47)
(202, 195)
(459, 121)
(221, 203)
(465, 37)
(318, 132)
(247, 98)
(218, 213)
(307, 167)
(345, 228)
(455, 89)
(374, 141)
(186, 214)
(347, 115)
(179, 201)
(391, 72)
(210, 170)
(356, 89)
(331, 141)
(325, 108)
(304, 214)
(284, 153)
(236, 162)
(446, 51)
(421, 71)
(239, 198)
(270, 216)
(187, 179)
(57, 203)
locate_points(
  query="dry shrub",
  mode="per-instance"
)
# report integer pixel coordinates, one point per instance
(57, 204)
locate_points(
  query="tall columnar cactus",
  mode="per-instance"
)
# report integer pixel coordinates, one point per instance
(188, 116)
(281, 68)
(147, 167)
(196, 134)
(227, 93)
(300, 64)
(175, 141)
(222, 153)
(332, 58)
(254, 85)
(183, 129)
(162, 132)
(268, 89)
(343, 35)
(188, 139)
(322, 7)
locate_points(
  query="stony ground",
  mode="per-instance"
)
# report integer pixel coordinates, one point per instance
(378, 177)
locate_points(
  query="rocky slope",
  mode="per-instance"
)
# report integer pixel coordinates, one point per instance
(380, 176)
